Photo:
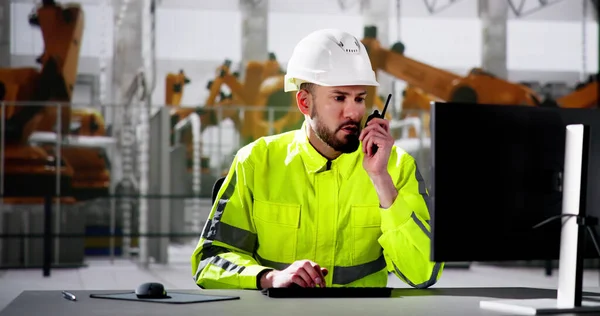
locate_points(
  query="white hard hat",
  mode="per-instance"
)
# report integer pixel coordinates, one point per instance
(329, 57)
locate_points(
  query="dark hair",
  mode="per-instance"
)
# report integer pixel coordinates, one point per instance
(308, 86)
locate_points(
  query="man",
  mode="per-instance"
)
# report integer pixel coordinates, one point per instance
(317, 206)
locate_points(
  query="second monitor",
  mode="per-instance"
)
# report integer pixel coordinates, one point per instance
(498, 172)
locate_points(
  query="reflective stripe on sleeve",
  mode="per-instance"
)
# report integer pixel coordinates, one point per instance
(272, 264)
(341, 275)
(436, 267)
(420, 224)
(346, 275)
(422, 186)
(426, 284)
(210, 256)
(215, 229)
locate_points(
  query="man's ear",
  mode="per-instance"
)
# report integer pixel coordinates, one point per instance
(303, 100)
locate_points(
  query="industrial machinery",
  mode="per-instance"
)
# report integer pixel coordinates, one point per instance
(174, 84)
(584, 96)
(86, 150)
(88, 158)
(262, 89)
(426, 83)
(62, 29)
(560, 94)
(29, 171)
(174, 87)
(477, 87)
(416, 103)
(87, 122)
(414, 98)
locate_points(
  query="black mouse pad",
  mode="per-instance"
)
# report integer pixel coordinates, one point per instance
(173, 298)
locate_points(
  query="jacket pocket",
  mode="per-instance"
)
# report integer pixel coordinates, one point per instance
(366, 230)
(277, 227)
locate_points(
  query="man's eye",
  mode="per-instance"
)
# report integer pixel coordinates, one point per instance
(340, 98)
(360, 100)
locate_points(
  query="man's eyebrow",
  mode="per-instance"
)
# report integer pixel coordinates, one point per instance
(346, 93)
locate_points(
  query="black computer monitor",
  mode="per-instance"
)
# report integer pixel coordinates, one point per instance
(497, 171)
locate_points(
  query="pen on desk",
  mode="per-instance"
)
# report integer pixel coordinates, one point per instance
(69, 296)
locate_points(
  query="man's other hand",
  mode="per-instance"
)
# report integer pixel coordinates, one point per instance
(304, 273)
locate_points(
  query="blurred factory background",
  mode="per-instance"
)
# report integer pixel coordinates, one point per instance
(128, 111)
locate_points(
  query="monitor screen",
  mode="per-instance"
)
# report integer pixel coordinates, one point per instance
(496, 173)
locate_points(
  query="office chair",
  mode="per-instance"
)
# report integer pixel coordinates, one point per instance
(216, 188)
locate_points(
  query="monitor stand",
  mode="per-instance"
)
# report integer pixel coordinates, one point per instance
(570, 273)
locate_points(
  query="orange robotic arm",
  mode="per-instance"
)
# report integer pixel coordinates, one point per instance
(585, 96)
(477, 87)
(89, 122)
(62, 28)
(30, 171)
(262, 87)
(174, 84)
(62, 31)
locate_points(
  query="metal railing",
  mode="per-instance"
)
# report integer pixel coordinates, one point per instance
(193, 122)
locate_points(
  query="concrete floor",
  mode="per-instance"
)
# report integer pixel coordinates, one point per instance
(101, 274)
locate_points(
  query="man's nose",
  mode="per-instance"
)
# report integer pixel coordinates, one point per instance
(354, 110)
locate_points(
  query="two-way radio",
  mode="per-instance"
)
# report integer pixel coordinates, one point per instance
(376, 114)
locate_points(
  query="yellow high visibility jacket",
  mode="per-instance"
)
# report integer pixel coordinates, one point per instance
(282, 201)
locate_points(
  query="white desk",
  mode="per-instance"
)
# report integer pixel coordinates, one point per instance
(404, 302)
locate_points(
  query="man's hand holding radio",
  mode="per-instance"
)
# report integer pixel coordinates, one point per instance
(377, 132)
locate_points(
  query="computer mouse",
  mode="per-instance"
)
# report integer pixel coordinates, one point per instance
(151, 290)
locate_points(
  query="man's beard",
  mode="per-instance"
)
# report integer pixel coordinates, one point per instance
(348, 144)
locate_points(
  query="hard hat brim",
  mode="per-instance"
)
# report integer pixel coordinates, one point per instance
(294, 84)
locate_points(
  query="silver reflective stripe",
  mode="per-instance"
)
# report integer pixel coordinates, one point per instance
(271, 264)
(208, 253)
(346, 275)
(233, 236)
(436, 268)
(432, 279)
(420, 224)
(422, 185)
(219, 262)
(215, 229)
(341, 275)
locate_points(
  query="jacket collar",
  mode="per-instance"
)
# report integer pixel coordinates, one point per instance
(314, 162)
